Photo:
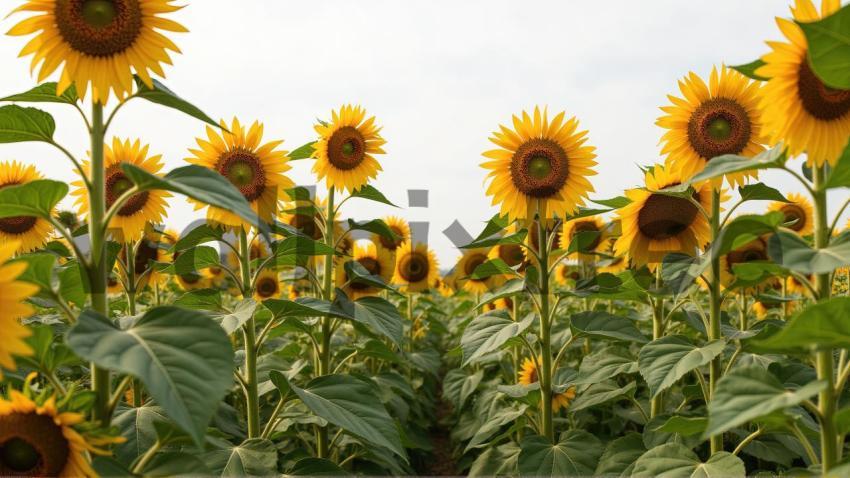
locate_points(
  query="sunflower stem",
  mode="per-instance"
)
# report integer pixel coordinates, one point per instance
(545, 333)
(249, 335)
(657, 403)
(323, 446)
(715, 300)
(131, 309)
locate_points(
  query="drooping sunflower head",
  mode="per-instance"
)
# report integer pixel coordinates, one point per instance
(153, 247)
(268, 285)
(754, 251)
(101, 42)
(465, 267)
(13, 293)
(255, 168)
(799, 213)
(541, 166)
(401, 230)
(29, 232)
(593, 236)
(346, 147)
(566, 274)
(799, 109)
(712, 120)
(376, 260)
(129, 223)
(656, 224)
(416, 267)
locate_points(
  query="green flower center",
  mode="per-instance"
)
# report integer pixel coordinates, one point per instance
(99, 13)
(539, 167)
(348, 148)
(240, 174)
(720, 129)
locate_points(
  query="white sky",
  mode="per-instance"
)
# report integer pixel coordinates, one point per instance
(440, 75)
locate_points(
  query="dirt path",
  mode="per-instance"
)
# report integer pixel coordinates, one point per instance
(442, 462)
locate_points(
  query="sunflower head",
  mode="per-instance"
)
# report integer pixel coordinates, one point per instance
(799, 109)
(346, 147)
(593, 234)
(416, 267)
(376, 260)
(255, 168)
(443, 287)
(13, 293)
(100, 42)
(798, 212)
(566, 274)
(399, 227)
(305, 216)
(764, 308)
(465, 267)
(712, 120)
(268, 285)
(541, 166)
(29, 232)
(754, 251)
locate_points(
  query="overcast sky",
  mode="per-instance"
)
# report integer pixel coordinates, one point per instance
(439, 76)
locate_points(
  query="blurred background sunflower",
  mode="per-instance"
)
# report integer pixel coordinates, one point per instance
(346, 147)
(12, 307)
(593, 237)
(798, 211)
(28, 232)
(377, 261)
(416, 267)
(528, 375)
(399, 227)
(267, 286)
(465, 267)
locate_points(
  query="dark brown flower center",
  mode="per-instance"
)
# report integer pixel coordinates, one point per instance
(267, 287)
(306, 224)
(191, 278)
(819, 100)
(473, 262)
(31, 445)
(372, 265)
(511, 254)
(795, 217)
(539, 168)
(100, 28)
(719, 126)
(147, 252)
(532, 375)
(244, 170)
(413, 267)
(346, 148)
(750, 253)
(393, 244)
(116, 185)
(588, 227)
(16, 224)
(663, 217)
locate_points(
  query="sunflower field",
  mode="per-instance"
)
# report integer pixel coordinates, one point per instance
(661, 332)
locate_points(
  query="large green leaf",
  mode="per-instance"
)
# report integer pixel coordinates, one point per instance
(45, 93)
(607, 326)
(828, 42)
(184, 359)
(295, 250)
(317, 467)
(35, 199)
(672, 460)
(492, 267)
(600, 393)
(352, 405)
(371, 193)
(18, 124)
(822, 325)
(161, 95)
(199, 235)
(793, 252)
(664, 361)
(575, 454)
(377, 313)
(747, 393)
(745, 229)
(195, 259)
(458, 386)
(839, 177)
(619, 455)
(732, 163)
(488, 333)
(605, 363)
(760, 192)
(253, 457)
(496, 461)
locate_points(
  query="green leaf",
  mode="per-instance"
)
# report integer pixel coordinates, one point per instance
(161, 95)
(34, 199)
(317, 467)
(839, 177)
(829, 48)
(197, 236)
(18, 124)
(495, 225)
(732, 163)
(680, 271)
(375, 226)
(748, 393)
(253, 457)
(232, 321)
(605, 363)
(760, 192)
(600, 393)
(664, 361)
(576, 454)
(196, 259)
(203, 299)
(39, 270)
(294, 251)
(745, 229)
(356, 273)
(620, 455)
(685, 426)
(305, 151)
(508, 289)
(458, 386)
(45, 93)
(600, 324)
(618, 202)
(488, 333)
(673, 460)
(168, 464)
(492, 267)
(184, 359)
(749, 69)
(496, 461)
(793, 252)
(377, 313)
(515, 238)
(369, 192)
(819, 326)
(352, 405)
(71, 288)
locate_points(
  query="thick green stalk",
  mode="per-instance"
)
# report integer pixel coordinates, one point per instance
(98, 273)
(327, 290)
(249, 334)
(131, 309)
(657, 404)
(545, 375)
(715, 297)
(823, 358)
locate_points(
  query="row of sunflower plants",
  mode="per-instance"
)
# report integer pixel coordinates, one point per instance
(275, 335)
(674, 336)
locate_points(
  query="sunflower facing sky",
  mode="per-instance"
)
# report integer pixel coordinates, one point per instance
(256, 169)
(540, 163)
(655, 224)
(377, 260)
(29, 232)
(346, 147)
(100, 42)
(799, 109)
(12, 308)
(416, 267)
(712, 120)
(528, 375)
(129, 224)
(799, 213)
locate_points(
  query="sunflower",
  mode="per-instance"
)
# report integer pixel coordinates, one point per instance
(799, 109)
(305, 216)
(193, 280)
(297, 288)
(377, 260)
(29, 232)
(598, 243)
(753, 251)
(416, 267)
(40, 440)
(69, 219)
(540, 163)
(764, 308)
(259, 250)
(566, 274)
(256, 170)
(267, 285)
(345, 148)
(399, 227)
(795, 287)
(101, 42)
(655, 224)
(512, 254)
(528, 375)
(12, 295)
(443, 288)
(499, 304)
(153, 247)
(841, 281)
(712, 120)
(799, 215)
(129, 223)
(466, 265)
